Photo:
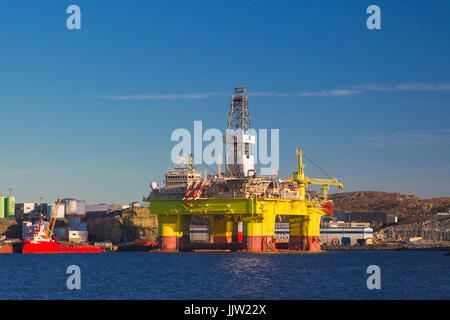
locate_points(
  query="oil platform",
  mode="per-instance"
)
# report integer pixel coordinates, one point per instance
(239, 196)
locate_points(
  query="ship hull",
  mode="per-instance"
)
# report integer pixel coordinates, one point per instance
(6, 248)
(55, 247)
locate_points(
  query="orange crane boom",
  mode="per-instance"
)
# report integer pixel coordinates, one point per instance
(52, 221)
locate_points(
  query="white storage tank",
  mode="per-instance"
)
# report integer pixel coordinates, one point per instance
(51, 211)
(75, 207)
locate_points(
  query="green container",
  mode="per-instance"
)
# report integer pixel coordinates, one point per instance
(10, 207)
(2, 206)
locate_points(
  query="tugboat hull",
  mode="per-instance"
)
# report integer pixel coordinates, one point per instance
(55, 247)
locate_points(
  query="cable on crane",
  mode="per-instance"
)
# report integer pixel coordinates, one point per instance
(317, 166)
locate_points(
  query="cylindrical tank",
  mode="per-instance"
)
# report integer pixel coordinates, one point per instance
(10, 207)
(51, 211)
(75, 207)
(2, 206)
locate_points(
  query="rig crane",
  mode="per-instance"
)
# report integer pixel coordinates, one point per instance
(303, 182)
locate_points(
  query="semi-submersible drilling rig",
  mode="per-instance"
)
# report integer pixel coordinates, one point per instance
(239, 196)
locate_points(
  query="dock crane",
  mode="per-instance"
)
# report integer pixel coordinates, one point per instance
(304, 182)
(52, 221)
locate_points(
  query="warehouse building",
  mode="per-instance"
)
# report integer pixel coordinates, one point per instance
(333, 233)
(102, 210)
(376, 219)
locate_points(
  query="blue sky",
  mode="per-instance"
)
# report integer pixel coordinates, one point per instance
(372, 107)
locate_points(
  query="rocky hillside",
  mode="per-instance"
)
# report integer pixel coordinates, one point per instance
(401, 204)
(430, 227)
(130, 225)
(10, 228)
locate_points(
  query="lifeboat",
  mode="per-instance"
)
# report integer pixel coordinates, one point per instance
(188, 191)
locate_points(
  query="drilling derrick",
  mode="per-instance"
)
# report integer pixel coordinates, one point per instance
(239, 138)
(239, 112)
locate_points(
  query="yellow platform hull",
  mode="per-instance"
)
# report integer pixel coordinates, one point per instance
(257, 214)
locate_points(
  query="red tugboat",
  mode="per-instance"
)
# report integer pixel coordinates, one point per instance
(44, 241)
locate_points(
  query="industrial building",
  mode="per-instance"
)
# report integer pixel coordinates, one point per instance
(346, 233)
(102, 210)
(376, 219)
(335, 233)
(27, 210)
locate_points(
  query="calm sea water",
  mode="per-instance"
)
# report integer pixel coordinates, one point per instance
(142, 275)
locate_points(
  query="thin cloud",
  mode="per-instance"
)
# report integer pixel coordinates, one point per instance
(328, 93)
(434, 138)
(323, 93)
(412, 86)
(165, 96)
(405, 172)
(20, 172)
(268, 94)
